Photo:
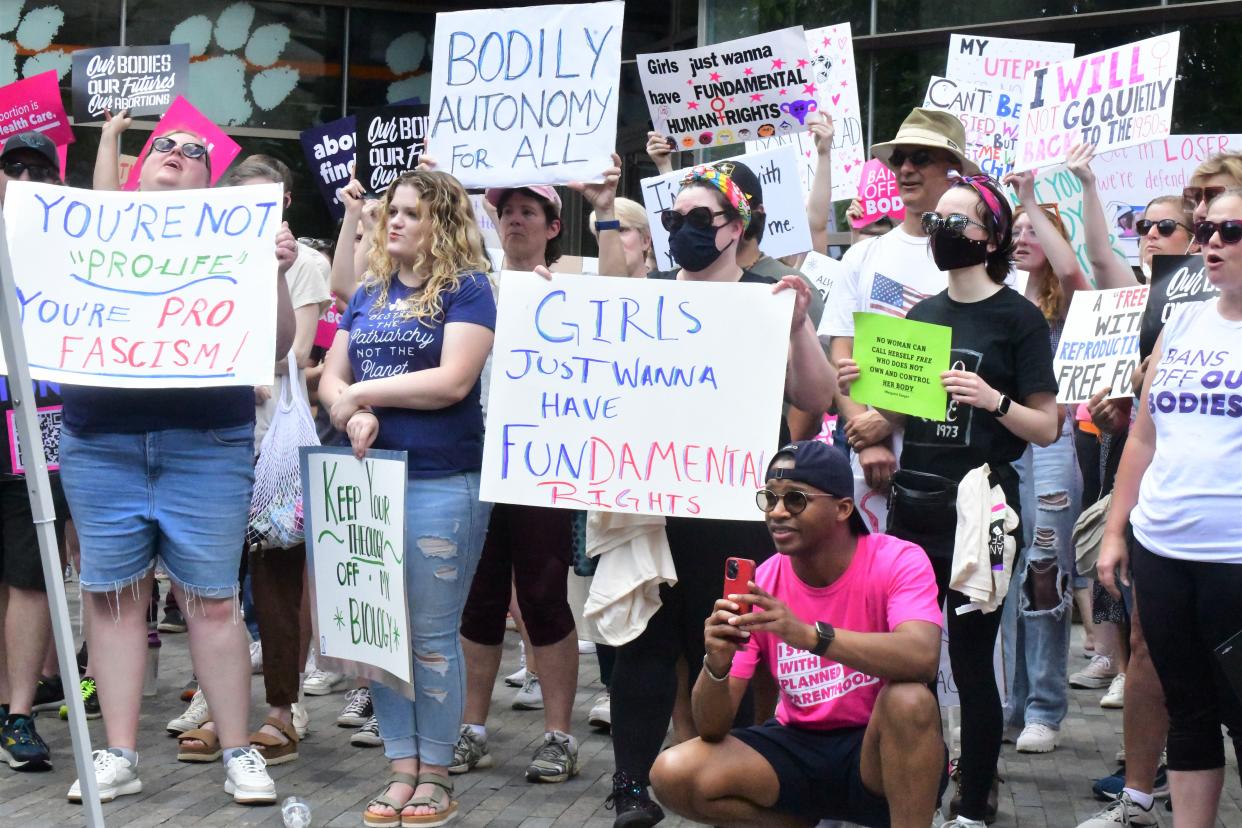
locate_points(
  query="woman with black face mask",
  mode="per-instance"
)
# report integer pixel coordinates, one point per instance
(1001, 396)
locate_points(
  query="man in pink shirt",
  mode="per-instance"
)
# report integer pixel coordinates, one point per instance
(848, 624)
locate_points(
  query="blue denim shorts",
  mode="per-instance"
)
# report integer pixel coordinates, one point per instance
(182, 496)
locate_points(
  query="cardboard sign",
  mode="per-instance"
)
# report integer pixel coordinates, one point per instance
(1175, 280)
(329, 150)
(355, 543)
(587, 372)
(143, 79)
(901, 362)
(171, 289)
(526, 95)
(823, 271)
(390, 141)
(33, 105)
(1112, 99)
(183, 116)
(1100, 343)
(1001, 63)
(788, 231)
(49, 431)
(990, 119)
(879, 195)
(753, 87)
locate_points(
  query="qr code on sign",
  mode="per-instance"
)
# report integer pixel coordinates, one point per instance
(49, 430)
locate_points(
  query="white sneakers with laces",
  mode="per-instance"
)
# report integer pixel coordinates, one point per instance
(530, 697)
(1121, 812)
(194, 716)
(1098, 673)
(1115, 698)
(115, 776)
(1037, 737)
(247, 780)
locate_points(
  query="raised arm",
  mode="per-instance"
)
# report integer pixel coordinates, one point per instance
(345, 273)
(1058, 251)
(1109, 267)
(809, 377)
(602, 198)
(286, 322)
(819, 205)
(660, 149)
(107, 173)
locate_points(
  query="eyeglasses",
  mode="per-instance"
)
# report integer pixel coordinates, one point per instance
(1191, 196)
(1165, 227)
(954, 224)
(795, 501)
(919, 158)
(1230, 231)
(188, 149)
(700, 218)
(37, 172)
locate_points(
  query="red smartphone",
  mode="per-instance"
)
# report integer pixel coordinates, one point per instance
(739, 572)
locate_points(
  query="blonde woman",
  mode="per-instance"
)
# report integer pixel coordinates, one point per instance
(403, 374)
(635, 237)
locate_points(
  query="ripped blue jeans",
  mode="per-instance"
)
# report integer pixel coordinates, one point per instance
(445, 523)
(1040, 617)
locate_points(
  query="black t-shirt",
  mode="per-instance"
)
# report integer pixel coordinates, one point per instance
(1005, 340)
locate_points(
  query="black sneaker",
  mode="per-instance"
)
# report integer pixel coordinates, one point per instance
(22, 746)
(632, 804)
(173, 622)
(955, 802)
(90, 700)
(49, 694)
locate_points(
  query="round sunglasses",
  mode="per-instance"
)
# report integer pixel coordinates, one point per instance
(188, 149)
(37, 172)
(1165, 227)
(1230, 231)
(954, 224)
(795, 501)
(700, 218)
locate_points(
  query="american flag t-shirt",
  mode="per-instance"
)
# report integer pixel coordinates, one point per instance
(892, 297)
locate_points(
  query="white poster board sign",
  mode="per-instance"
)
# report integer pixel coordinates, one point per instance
(1001, 63)
(526, 95)
(355, 542)
(989, 118)
(635, 395)
(146, 290)
(1099, 345)
(787, 232)
(823, 271)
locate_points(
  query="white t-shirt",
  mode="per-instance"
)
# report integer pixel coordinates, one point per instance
(1191, 495)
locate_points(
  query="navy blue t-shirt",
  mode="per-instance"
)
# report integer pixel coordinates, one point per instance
(382, 343)
(137, 410)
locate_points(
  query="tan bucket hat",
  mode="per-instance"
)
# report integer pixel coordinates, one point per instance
(929, 128)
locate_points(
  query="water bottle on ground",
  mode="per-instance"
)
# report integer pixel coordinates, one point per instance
(295, 813)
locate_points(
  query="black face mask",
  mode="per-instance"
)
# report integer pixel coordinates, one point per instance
(694, 249)
(951, 252)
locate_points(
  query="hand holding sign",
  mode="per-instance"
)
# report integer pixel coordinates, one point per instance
(822, 131)
(901, 364)
(601, 196)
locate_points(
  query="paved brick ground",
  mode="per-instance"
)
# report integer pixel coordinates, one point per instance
(1050, 791)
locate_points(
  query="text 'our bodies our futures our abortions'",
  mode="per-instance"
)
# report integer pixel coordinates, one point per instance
(146, 290)
(142, 79)
(526, 95)
(587, 371)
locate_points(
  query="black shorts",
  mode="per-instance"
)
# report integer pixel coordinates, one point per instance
(820, 772)
(20, 564)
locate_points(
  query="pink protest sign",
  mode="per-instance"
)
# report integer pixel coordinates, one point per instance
(183, 116)
(877, 193)
(33, 105)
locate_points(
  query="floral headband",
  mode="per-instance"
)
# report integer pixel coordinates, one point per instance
(728, 188)
(980, 184)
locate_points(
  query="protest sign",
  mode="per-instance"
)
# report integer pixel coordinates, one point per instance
(753, 87)
(329, 150)
(586, 374)
(33, 105)
(901, 362)
(355, 541)
(878, 195)
(483, 217)
(1099, 344)
(143, 79)
(787, 229)
(989, 118)
(146, 290)
(823, 271)
(390, 141)
(183, 116)
(526, 95)
(1175, 280)
(1001, 63)
(1116, 98)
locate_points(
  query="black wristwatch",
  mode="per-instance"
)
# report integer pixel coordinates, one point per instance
(824, 634)
(1002, 407)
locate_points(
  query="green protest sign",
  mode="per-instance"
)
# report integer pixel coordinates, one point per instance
(900, 362)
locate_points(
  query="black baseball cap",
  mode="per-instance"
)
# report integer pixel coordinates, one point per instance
(36, 141)
(746, 180)
(822, 466)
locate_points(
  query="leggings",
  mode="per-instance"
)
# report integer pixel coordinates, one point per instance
(1188, 608)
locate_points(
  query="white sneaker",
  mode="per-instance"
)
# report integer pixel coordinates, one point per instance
(1121, 811)
(1038, 738)
(247, 779)
(194, 716)
(301, 719)
(322, 683)
(530, 697)
(964, 822)
(601, 714)
(256, 657)
(1115, 698)
(518, 678)
(114, 776)
(586, 647)
(1096, 675)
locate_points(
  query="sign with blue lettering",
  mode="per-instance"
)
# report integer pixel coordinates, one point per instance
(526, 95)
(329, 150)
(1099, 345)
(647, 396)
(989, 118)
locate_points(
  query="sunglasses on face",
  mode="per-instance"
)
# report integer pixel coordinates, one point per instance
(919, 158)
(188, 149)
(700, 218)
(1165, 227)
(1191, 196)
(795, 501)
(37, 172)
(1230, 231)
(954, 224)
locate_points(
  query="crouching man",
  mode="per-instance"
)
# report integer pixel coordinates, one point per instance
(848, 624)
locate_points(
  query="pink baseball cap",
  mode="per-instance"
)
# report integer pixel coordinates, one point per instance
(548, 194)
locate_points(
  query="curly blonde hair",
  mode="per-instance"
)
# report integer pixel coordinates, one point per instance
(1051, 298)
(456, 244)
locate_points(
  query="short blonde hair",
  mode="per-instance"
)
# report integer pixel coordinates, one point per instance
(1225, 163)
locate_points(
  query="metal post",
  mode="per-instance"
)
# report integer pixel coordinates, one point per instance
(25, 415)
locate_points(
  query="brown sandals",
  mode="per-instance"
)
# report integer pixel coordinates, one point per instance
(208, 751)
(442, 800)
(374, 820)
(274, 751)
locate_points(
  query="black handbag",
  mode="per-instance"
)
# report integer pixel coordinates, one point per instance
(923, 506)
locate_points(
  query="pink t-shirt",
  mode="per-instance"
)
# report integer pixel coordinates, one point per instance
(888, 582)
